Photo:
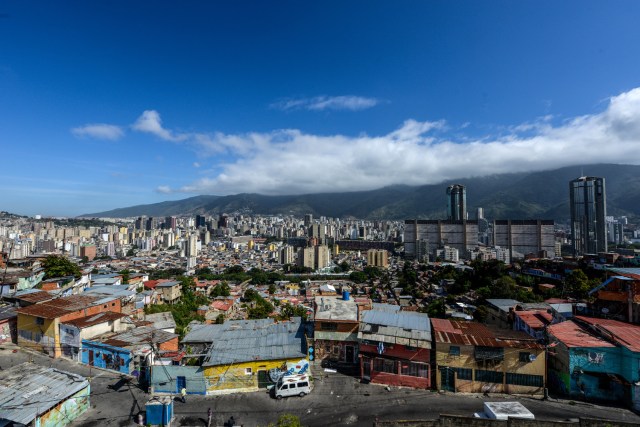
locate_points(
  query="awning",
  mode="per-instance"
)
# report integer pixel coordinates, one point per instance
(489, 353)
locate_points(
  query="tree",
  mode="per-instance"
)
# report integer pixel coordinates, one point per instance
(358, 277)
(59, 266)
(344, 266)
(221, 290)
(220, 319)
(272, 289)
(125, 276)
(287, 420)
(577, 283)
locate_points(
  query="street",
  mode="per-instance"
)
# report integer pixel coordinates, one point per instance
(335, 400)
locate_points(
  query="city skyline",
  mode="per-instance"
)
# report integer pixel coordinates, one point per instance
(248, 98)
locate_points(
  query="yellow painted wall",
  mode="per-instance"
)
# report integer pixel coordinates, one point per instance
(511, 364)
(44, 338)
(227, 378)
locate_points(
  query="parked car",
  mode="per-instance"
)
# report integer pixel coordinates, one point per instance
(291, 385)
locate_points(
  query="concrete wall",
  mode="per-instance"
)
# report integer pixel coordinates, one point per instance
(164, 379)
(456, 421)
(510, 364)
(237, 378)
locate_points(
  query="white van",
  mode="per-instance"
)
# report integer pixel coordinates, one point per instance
(291, 385)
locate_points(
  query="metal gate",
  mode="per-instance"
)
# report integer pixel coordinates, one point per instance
(447, 378)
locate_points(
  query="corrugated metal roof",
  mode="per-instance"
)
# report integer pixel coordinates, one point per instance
(477, 334)
(162, 320)
(245, 341)
(139, 335)
(396, 327)
(625, 334)
(28, 389)
(208, 333)
(629, 272)
(503, 304)
(572, 335)
(95, 319)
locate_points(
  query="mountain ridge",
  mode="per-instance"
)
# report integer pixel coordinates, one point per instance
(522, 195)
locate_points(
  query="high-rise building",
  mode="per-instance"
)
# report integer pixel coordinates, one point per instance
(525, 237)
(456, 202)
(588, 205)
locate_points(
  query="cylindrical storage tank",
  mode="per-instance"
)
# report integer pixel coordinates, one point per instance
(345, 295)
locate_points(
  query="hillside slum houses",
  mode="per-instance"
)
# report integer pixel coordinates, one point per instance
(523, 349)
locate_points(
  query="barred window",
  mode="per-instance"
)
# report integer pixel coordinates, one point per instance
(525, 379)
(385, 365)
(415, 369)
(454, 350)
(464, 373)
(489, 376)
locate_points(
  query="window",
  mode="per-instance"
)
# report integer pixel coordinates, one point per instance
(39, 321)
(524, 379)
(454, 350)
(326, 326)
(304, 384)
(292, 385)
(463, 373)
(415, 369)
(489, 376)
(285, 387)
(248, 371)
(384, 365)
(113, 304)
(525, 357)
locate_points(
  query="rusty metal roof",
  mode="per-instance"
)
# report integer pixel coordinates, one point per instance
(60, 306)
(625, 334)
(572, 335)
(85, 322)
(477, 334)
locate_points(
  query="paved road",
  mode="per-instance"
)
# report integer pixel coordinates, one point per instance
(335, 400)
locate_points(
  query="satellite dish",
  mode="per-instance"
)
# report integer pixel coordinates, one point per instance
(532, 357)
(605, 310)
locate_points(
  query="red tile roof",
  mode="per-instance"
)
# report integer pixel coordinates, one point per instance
(572, 335)
(221, 305)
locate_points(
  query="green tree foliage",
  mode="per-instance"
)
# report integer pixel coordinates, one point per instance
(221, 290)
(169, 273)
(435, 309)
(288, 311)
(577, 284)
(272, 289)
(287, 420)
(59, 266)
(258, 277)
(183, 312)
(344, 266)
(126, 275)
(132, 251)
(259, 308)
(358, 277)
(220, 319)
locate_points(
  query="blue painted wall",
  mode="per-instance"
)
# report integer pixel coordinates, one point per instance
(164, 379)
(107, 356)
(588, 368)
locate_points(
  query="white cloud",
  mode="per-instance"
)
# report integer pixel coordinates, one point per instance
(150, 122)
(293, 162)
(98, 131)
(321, 103)
(164, 189)
(196, 165)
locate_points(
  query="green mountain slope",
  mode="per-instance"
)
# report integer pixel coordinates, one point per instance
(523, 195)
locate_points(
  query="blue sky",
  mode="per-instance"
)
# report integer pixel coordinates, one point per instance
(112, 104)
